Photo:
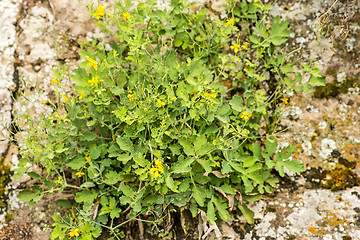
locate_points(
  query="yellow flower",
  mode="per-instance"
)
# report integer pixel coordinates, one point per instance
(161, 103)
(285, 100)
(126, 16)
(88, 159)
(111, 15)
(94, 81)
(159, 165)
(74, 232)
(85, 114)
(92, 62)
(230, 22)
(154, 172)
(130, 97)
(81, 95)
(79, 174)
(65, 99)
(245, 115)
(54, 81)
(235, 47)
(210, 95)
(99, 12)
(244, 46)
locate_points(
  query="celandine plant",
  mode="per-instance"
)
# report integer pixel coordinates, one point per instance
(180, 115)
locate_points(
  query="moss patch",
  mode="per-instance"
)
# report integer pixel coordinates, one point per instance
(335, 88)
(4, 177)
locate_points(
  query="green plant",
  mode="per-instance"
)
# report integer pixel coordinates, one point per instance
(168, 119)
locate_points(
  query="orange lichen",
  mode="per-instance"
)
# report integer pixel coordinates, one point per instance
(312, 230)
(340, 178)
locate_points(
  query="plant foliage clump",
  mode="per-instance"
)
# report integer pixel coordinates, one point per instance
(179, 114)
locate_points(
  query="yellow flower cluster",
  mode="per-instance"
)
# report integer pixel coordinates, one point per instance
(85, 113)
(131, 95)
(79, 174)
(99, 12)
(126, 16)
(54, 81)
(92, 62)
(230, 22)
(155, 171)
(285, 100)
(81, 95)
(245, 115)
(161, 103)
(210, 95)
(94, 81)
(236, 46)
(74, 232)
(65, 98)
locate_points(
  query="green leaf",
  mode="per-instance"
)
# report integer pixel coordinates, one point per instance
(211, 129)
(198, 195)
(249, 161)
(184, 185)
(210, 214)
(254, 168)
(95, 151)
(255, 176)
(199, 142)
(188, 147)
(125, 143)
(236, 103)
(112, 177)
(154, 199)
(34, 175)
(87, 185)
(27, 195)
(294, 166)
(127, 190)
(64, 203)
(271, 145)
(170, 183)
(227, 189)
(88, 137)
(252, 198)
(124, 158)
(77, 163)
(225, 167)
(279, 31)
(182, 166)
(193, 209)
(285, 153)
(248, 214)
(205, 163)
(222, 208)
(286, 69)
(86, 196)
(177, 42)
(248, 186)
(80, 77)
(237, 167)
(272, 181)
(316, 81)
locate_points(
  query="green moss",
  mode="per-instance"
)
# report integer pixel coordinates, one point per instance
(335, 88)
(8, 217)
(4, 176)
